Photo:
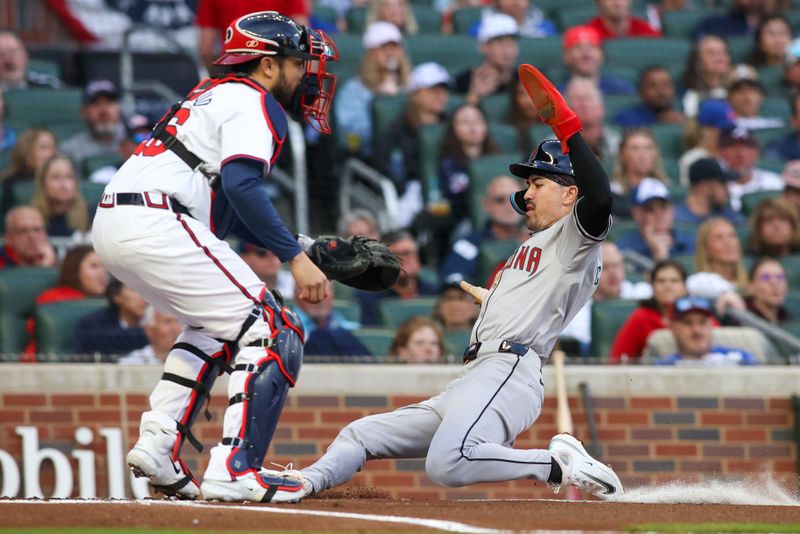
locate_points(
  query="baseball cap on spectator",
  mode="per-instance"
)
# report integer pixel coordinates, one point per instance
(581, 35)
(793, 52)
(705, 169)
(138, 128)
(497, 25)
(650, 189)
(97, 88)
(716, 113)
(380, 33)
(689, 304)
(737, 135)
(427, 75)
(791, 174)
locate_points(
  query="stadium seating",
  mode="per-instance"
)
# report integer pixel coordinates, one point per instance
(792, 302)
(91, 192)
(385, 110)
(430, 143)
(681, 24)
(791, 264)
(669, 138)
(55, 326)
(396, 311)
(456, 53)
(495, 107)
(465, 18)
(456, 342)
(490, 254)
(44, 107)
(641, 53)
(349, 310)
(544, 53)
(750, 201)
(377, 340)
(18, 290)
(481, 172)
(662, 343)
(608, 316)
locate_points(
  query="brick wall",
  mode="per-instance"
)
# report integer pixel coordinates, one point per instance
(647, 439)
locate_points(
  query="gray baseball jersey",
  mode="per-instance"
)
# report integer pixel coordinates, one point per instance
(542, 286)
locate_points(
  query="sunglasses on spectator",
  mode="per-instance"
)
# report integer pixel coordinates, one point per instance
(686, 304)
(777, 277)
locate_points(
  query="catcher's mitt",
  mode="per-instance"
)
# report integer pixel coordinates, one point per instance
(359, 262)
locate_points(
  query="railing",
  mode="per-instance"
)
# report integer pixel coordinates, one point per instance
(363, 186)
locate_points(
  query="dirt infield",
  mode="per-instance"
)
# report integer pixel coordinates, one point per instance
(381, 514)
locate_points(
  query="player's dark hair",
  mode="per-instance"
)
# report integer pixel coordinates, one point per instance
(70, 273)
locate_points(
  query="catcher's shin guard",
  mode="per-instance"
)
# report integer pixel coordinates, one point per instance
(553, 109)
(265, 389)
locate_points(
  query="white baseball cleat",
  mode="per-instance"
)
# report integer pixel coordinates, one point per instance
(266, 486)
(581, 470)
(151, 458)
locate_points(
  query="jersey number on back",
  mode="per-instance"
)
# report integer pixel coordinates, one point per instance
(154, 147)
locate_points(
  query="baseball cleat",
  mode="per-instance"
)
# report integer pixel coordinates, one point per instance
(551, 106)
(151, 458)
(581, 470)
(265, 486)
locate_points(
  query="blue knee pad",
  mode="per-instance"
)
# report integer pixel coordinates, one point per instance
(265, 390)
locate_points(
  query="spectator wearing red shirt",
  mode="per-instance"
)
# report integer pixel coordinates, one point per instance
(82, 275)
(25, 240)
(214, 16)
(669, 284)
(614, 21)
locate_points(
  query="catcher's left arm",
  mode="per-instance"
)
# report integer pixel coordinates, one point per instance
(358, 262)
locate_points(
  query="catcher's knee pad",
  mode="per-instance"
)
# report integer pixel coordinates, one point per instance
(265, 390)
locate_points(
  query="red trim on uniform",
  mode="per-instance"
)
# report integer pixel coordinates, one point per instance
(150, 204)
(291, 325)
(188, 413)
(276, 141)
(211, 212)
(104, 204)
(245, 156)
(215, 260)
(277, 359)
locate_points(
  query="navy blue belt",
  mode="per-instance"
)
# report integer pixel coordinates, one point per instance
(505, 346)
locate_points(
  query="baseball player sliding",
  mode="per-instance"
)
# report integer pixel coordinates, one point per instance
(159, 229)
(466, 432)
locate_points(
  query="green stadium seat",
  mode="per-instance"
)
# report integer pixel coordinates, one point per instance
(377, 340)
(455, 53)
(641, 53)
(65, 130)
(677, 193)
(575, 16)
(608, 316)
(794, 18)
(750, 201)
(430, 141)
(22, 193)
(616, 103)
(771, 79)
(44, 66)
(350, 52)
(766, 136)
(687, 262)
(680, 24)
(464, 18)
(396, 311)
(490, 254)
(18, 291)
(495, 107)
(429, 275)
(505, 136)
(791, 264)
(43, 107)
(672, 168)
(385, 110)
(341, 292)
(456, 342)
(776, 106)
(772, 164)
(620, 228)
(91, 192)
(94, 163)
(544, 53)
(740, 48)
(429, 20)
(349, 310)
(325, 13)
(539, 133)
(356, 18)
(481, 172)
(55, 326)
(669, 138)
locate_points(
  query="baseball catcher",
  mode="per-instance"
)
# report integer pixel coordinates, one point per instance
(358, 262)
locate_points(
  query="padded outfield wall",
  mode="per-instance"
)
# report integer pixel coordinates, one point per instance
(64, 429)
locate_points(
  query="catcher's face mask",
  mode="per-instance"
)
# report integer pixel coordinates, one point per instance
(312, 99)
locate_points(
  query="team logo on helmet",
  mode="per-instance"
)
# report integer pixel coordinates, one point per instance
(252, 43)
(228, 34)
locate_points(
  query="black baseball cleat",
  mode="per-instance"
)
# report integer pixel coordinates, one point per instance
(581, 470)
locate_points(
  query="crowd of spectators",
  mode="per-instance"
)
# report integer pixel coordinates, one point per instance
(703, 155)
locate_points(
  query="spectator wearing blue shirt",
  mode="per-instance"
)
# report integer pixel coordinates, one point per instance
(788, 147)
(8, 137)
(708, 194)
(583, 56)
(655, 238)
(740, 20)
(327, 332)
(656, 101)
(530, 19)
(385, 70)
(691, 325)
(503, 223)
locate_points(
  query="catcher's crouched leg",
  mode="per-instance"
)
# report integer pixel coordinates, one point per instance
(190, 370)
(261, 378)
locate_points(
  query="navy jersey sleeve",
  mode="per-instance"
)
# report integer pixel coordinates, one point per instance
(259, 221)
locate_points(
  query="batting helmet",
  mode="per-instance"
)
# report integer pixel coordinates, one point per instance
(547, 161)
(268, 33)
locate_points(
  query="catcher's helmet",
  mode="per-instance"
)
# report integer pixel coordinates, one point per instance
(548, 161)
(268, 33)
